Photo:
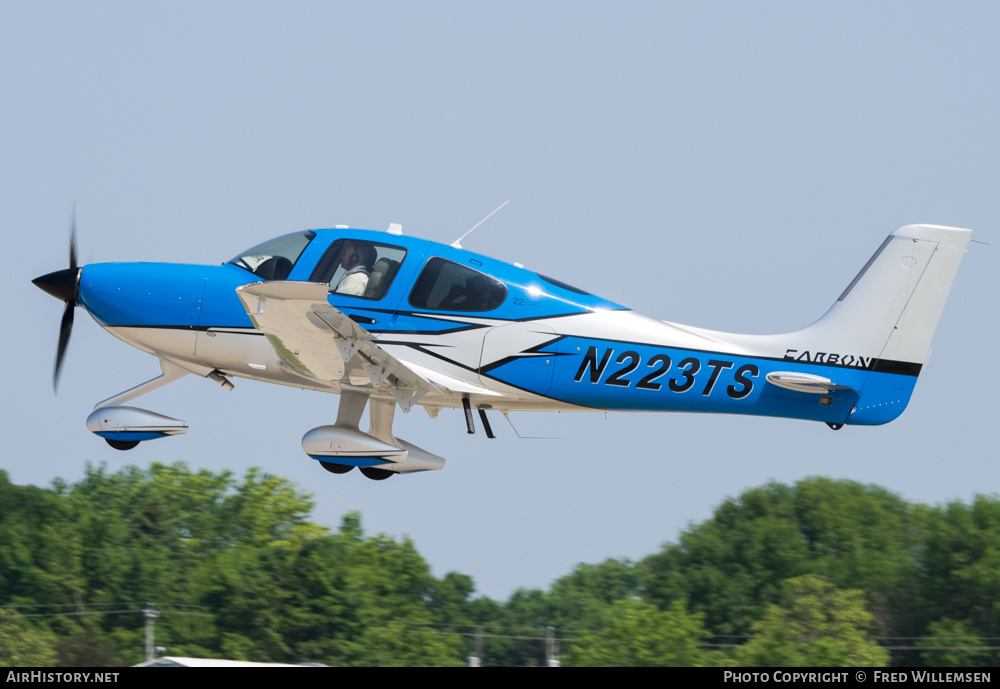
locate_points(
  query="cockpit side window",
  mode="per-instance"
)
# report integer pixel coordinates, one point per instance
(447, 286)
(357, 268)
(275, 258)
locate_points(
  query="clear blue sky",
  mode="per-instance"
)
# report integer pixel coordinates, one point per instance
(749, 156)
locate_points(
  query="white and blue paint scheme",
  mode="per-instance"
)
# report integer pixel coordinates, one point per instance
(438, 326)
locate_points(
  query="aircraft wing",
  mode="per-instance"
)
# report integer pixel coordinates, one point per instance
(322, 342)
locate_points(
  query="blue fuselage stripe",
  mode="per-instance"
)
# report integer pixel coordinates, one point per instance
(627, 376)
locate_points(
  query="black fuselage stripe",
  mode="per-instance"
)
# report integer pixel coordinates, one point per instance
(904, 368)
(228, 329)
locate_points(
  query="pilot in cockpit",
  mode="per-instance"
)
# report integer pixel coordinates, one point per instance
(357, 259)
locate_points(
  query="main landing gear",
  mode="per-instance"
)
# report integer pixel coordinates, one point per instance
(377, 453)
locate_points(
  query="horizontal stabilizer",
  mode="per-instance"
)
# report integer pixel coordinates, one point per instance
(804, 382)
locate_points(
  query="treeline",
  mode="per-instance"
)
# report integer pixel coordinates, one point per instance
(820, 573)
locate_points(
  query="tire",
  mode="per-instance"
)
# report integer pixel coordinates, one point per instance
(377, 474)
(122, 444)
(336, 468)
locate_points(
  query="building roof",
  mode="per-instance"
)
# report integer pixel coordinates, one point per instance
(177, 661)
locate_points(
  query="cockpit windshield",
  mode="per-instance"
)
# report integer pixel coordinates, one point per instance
(275, 258)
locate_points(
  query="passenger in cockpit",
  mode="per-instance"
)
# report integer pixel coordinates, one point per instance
(357, 259)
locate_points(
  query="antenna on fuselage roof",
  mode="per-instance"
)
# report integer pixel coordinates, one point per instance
(458, 242)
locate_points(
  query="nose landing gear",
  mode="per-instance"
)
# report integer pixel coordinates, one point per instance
(122, 444)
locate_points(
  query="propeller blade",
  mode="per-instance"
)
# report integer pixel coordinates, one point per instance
(63, 285)
(65, 328)
(72, 244)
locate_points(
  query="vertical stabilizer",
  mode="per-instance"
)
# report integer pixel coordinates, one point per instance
(890, 310)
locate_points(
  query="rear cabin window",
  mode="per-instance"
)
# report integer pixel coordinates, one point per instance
(356, 268)
(447, 286)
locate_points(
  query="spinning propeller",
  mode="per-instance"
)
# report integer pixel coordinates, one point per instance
(63, 285)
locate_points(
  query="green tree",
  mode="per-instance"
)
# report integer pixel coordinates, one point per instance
(348, 599)
(395, 585)
(521, 629)
(88, 648)
(275, 586)
(731, 567)
(39, 547)
(952, 643)
(962, 560)
(582, 601)
(817, 625)
(22, 645)
(586, 598)
(642, 636)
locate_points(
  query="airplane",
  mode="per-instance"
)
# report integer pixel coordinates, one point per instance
(387, 320)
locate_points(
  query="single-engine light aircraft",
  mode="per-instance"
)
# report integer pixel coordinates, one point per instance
(384, 319)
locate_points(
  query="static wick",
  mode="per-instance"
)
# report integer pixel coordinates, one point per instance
(458, 242)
